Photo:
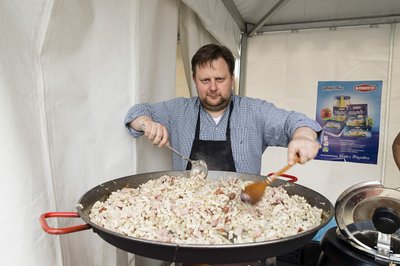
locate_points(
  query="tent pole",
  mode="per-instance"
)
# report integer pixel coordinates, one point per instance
(388, 144)
(242, 61)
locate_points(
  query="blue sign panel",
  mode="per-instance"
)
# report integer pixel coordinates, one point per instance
(349, 113)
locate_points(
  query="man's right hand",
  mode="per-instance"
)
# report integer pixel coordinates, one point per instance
(155, 132)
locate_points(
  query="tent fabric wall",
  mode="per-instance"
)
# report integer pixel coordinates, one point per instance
(69, 71)
(285, 67)
(155, 76)
(218, 22)
(192, 36)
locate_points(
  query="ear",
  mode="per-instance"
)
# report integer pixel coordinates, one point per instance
(194, 78)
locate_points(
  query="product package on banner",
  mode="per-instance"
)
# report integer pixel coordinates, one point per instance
(349, 113)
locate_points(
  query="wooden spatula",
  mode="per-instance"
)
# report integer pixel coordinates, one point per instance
(254, 192)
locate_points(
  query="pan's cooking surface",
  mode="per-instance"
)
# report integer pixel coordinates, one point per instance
(201, 253)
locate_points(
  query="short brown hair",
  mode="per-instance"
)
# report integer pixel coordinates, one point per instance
(210, 52)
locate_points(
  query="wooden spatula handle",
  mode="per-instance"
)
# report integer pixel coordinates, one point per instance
(272, 178)
(283, 170)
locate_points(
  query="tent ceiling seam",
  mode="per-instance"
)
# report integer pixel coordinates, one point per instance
(270, 12)
(237, 17)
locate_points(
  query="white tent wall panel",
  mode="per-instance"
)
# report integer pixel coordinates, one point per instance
(69, 71)
(86, 82)
(192, 36)
(217, 21)
(199, 24)
(285, 67)
(24, 163)
(182, 88)
(155, 74)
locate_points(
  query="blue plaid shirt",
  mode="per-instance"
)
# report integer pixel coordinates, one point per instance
(255, 125)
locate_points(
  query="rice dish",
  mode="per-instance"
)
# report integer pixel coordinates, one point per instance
(184, 210)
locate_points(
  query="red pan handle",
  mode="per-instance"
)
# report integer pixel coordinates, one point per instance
(291, 178)
(61, 231)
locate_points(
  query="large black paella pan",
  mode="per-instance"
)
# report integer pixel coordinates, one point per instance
(191, 253)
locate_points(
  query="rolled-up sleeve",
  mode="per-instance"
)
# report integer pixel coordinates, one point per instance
(133, 113)
(159, 112)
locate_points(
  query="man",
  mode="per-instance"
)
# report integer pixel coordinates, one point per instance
(229, 132)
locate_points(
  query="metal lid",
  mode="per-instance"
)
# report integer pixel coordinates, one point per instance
(368, 217)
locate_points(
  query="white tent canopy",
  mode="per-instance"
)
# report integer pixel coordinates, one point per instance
(258, 16)
(69, 71)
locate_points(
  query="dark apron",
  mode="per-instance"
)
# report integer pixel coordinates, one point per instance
(216, 153)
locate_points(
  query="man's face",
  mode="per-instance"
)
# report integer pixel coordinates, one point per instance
(214, 84)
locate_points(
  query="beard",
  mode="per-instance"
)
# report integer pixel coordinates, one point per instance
(220, 105)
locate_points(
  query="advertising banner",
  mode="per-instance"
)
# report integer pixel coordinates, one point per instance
(349, 113)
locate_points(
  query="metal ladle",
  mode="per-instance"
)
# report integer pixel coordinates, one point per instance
(199, 167)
